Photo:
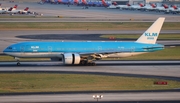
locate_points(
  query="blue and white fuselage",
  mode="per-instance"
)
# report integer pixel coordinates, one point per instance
(55, 49)
(80, 52)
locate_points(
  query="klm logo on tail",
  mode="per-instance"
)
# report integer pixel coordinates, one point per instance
(151, 36)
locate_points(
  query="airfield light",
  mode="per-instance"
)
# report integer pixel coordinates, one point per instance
(97, 97)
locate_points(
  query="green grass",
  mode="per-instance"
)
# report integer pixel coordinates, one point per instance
(84, 26)
(27, 82)
(135, 36)
(166, 54)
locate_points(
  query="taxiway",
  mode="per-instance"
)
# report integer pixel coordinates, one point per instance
(87, 97)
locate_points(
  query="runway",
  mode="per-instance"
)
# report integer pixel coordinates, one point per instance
(131, 68)
(144, 69)
(169, 97)
(169, 70)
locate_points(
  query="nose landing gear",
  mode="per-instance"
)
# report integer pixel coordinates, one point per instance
(18, 62)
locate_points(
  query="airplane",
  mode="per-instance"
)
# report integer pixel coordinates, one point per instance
(137, 7)
(14, 8)
(174, 9)
(63, 1)
(145, 7)
(90, 3)
(151, 8)
(113, 5)
(11, 11)
(25, 11)
(2, 11)
(129, 7)
(52, 1)
(7, 10)
(84, 3)
(98, 3)
(75, 2)
(124, 7)
(84, 53)
(105, 4)
(162, 8)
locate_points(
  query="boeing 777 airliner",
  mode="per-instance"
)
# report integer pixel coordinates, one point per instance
(83, 53)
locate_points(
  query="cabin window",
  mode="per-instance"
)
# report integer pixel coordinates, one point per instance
(9, 48)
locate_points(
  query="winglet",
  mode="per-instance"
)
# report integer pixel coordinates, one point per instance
(151, 34)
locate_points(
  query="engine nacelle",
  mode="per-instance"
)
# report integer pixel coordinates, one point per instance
(71, 58)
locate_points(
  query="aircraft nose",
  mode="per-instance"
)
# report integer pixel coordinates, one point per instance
(4, 51)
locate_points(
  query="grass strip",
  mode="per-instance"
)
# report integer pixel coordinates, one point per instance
(84, 26)
(29, 82)
(135, 36)
(166, 54)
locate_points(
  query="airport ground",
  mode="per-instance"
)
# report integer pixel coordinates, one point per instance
(76, 13)
(167, 70)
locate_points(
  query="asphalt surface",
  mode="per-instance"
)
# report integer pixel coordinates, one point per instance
(150, 68)
(108, 97)
(168, 70)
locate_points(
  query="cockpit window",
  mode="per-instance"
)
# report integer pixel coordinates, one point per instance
(9, 48)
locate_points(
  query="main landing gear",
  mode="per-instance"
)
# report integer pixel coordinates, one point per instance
(87, 63)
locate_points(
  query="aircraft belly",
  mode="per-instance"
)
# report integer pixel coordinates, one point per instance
(121, 55)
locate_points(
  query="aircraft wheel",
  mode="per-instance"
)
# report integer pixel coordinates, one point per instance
(93, 64)
(88, 64)
(83, 63)
(18, 64)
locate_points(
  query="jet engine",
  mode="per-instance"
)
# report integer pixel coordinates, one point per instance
(71, 58)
